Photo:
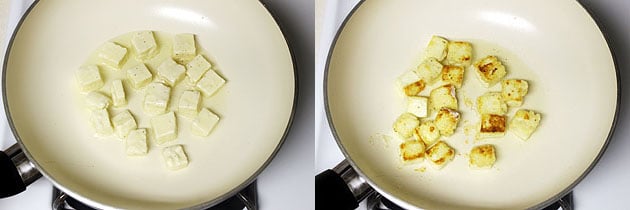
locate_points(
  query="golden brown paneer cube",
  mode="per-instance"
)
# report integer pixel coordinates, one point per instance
(482, 156)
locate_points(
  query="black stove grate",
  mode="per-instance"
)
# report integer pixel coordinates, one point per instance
(245, 199)
(377, 202)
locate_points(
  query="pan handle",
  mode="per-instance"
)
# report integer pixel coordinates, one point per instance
(340, 188)
(16, 171)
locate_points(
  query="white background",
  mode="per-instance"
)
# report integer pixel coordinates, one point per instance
(606, 187)
(287, 183)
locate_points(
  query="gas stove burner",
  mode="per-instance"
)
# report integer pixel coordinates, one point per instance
(245, 199)
(377, 202)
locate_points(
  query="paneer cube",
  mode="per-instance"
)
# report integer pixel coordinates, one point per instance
(189, 103)
(101, 123)
(492, 126)
(124, 123)
(440, 154)
(490, 70)
(175, 157)
(164, 128)
(453, 75)
(491, 103)
(436, 48)
(429, 70)
(184, 48)
(459, 54)
(204, 123)
(482, 156)
(112, 55)
(405, 125)
(524, 123)
(446, 121)
(171, 72)
(136, 143)
(118, 93)
(444, 96)
(139, 76)
(417, 105)
(145, 45)
(156, 98)
(412, 151)
(427, 132)
(210, 83)
(97, 100)
(410, 83)
(196, 68)
(89, 78)
(513, 91)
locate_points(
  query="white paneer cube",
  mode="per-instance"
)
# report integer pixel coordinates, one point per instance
(145, 45)
(118, 93)
(440, 154)
(513, 91)
(459, 54)
(446, 121)
(412, 151)
(184, 48)
(97, 100)
(156, 98)
(436, 48)
(204, 123)
(164, 128)
(524, 123)
(427, 132)
(175, 157)
(429, 70)
(101, 123)
(453, 75)
(410, 83)
(417, 105)
(482, 157)
(89, 78)
(124, 123)
(112, 55)
(136, 143)
(139, 76)
(490, 70)
(189, 103)
(491, 103)
(444, 96)
(405, 125)
(171, 72)
(196, 68)
(492, 126)
(210, 83)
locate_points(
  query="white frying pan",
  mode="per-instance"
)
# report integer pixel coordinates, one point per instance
(556, 45)
(45, 112)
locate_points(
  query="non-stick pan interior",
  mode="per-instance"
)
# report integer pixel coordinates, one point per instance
(555, 45)
(49, 118)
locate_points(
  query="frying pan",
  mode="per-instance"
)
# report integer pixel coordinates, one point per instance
(46, 114)
(556, 46)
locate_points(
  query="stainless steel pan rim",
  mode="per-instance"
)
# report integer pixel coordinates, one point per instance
(207, 204)
(537, 206)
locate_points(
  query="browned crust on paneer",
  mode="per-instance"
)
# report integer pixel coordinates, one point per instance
(487, 67)
(450, 153)
(465, 58)
(453, 75)
(492, 123)
(448, 114)
(414, 88)
(407, 156)
(484, 152)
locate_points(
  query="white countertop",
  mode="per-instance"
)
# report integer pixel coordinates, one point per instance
(287, 183)
(606, 187)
